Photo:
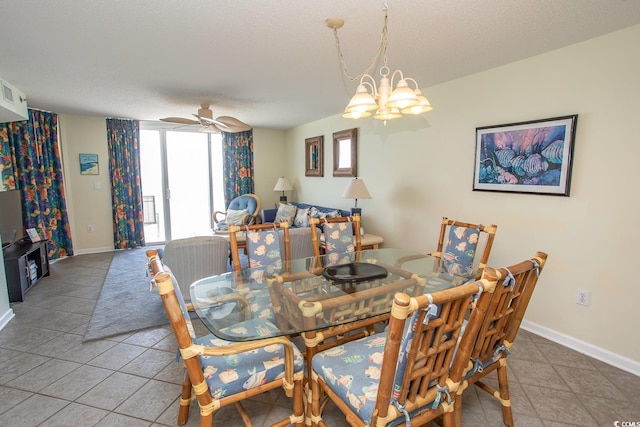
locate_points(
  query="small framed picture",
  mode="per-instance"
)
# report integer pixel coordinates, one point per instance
(33, 235)
(89, 164)
(314, 163)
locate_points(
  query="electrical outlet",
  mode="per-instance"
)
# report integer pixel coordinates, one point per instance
(583, 297)
(90, 228)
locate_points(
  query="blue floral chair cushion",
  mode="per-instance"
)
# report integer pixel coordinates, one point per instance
(338, 239)
(263, 249)
(235, 373)
(460, 249)
(352, 370)
(265, 258)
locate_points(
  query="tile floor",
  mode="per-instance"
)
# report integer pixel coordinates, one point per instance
(48, 377)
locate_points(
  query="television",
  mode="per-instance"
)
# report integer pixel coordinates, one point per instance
(11, 228)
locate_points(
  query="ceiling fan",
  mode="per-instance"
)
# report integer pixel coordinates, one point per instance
(209, 124)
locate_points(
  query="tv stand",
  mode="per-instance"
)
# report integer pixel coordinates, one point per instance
(25, 263)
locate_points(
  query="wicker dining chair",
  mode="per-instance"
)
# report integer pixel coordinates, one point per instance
(498, 332)
(341, 235)
(411, 372)
(458, 244)
(266, 258)
(263, 245)
(223, 373)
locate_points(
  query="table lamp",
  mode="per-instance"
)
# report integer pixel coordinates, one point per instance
(356, 190)
(283, 185)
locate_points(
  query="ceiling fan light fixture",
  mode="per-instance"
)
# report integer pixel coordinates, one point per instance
(424, 106)
(204, 111)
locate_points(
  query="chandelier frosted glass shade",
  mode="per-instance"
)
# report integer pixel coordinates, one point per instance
(402, 97)
(423, 106)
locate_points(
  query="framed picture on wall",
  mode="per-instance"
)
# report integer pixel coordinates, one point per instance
(89, 164)
(527, 157)
(313, 160)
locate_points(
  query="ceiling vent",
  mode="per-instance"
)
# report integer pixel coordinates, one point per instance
(13, 104)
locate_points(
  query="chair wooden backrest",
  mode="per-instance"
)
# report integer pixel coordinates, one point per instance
(425, 354)
(458, 243)
(339, 237)
(263, 245)
(500, 327)
(248, 201)
(192, 354)
(195, 258)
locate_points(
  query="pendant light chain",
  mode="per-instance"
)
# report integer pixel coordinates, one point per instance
(382, 51)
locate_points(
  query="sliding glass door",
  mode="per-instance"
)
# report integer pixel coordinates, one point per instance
(181, 173)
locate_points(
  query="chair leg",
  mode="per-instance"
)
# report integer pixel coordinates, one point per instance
(243, 414)
(315, 404)
(503, 383)
(298, 402)
(448, 419)
(457, 411)
(185, 400)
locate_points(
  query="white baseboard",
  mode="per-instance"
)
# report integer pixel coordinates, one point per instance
(6, 317)
(93, 251)
(599, 353)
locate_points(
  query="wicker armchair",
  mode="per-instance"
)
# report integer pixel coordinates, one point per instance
(195, 258)
(243, 210)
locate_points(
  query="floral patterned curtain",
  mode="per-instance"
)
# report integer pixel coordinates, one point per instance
(238, 164)
(123, 138)
(31, 162)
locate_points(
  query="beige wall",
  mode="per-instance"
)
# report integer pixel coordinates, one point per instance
(86, 204)
(90, 206)
(419, 169)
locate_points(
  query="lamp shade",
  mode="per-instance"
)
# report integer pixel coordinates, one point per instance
(283, 184)
(356, 190)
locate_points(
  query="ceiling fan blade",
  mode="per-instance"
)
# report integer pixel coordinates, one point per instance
(180, 120)
(222, 127)
(234, 124)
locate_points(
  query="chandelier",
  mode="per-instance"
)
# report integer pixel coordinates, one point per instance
(388, 101)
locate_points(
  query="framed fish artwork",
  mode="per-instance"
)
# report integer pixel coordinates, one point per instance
(527, 157)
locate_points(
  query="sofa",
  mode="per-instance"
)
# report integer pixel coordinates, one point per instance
(299, 232)
(296, 213)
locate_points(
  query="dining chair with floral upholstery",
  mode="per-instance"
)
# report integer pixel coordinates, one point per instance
(499, 330)
(224, 373)
(409, 373)
(266, 257)
(341, 235)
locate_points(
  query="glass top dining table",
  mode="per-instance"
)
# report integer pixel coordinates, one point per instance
(314, 293)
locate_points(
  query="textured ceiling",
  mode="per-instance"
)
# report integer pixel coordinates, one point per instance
(270, 63)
